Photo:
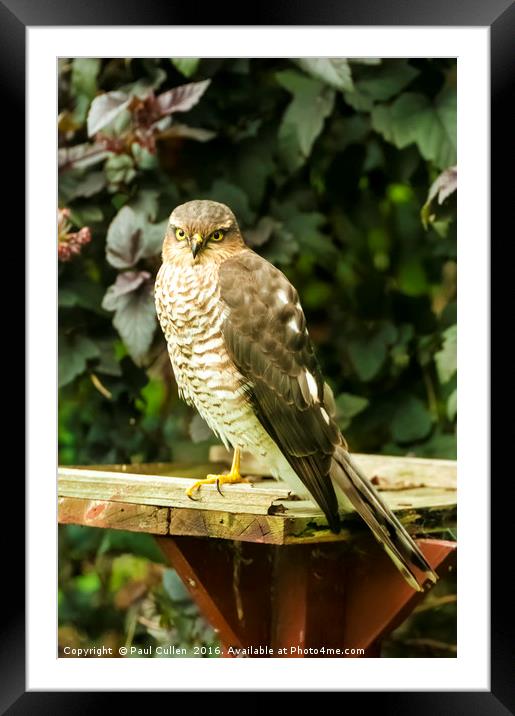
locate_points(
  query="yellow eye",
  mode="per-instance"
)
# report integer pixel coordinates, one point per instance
(217, 235)
(180, 234)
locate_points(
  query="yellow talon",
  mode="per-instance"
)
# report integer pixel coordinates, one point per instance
(231, 477)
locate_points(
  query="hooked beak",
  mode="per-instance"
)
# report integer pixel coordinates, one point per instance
(196, 243)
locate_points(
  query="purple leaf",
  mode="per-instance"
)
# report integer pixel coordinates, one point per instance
(104, 109)
(443, 186)
(124, 239)
(135, 320)
(182, 98)
(186, 132)
(130, 297)
(125, 283)
(262, 232)
(81, 156)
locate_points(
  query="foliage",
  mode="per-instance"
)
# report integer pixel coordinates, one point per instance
(341, 172)
(123, 596)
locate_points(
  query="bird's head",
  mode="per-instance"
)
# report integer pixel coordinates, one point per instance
(201, 230)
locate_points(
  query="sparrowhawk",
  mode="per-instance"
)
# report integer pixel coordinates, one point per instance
(241, 354)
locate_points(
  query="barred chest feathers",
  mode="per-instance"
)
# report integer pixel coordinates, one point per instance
(191, 314)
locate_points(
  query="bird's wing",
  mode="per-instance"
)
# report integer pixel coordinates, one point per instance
(265, 334)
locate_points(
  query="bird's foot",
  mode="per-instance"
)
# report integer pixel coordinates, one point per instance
(229, 479)
(232, 477)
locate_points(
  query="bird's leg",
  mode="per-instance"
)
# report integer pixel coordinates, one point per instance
(230, 478)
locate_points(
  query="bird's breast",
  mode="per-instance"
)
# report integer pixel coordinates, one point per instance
(191, 315)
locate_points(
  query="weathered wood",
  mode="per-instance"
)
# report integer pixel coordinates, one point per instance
(270, 560)
(230, 582)
(265, 511)
(377, 600)
(332, 600)
(226, 525)
(308, 600)
(385, 471)
(169, 490)
(115, 515)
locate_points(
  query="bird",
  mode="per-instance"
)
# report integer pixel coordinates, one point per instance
(241, 354)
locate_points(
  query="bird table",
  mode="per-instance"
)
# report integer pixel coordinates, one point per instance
(262, 565)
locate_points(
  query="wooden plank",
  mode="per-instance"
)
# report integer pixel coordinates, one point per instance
(115, 515)
(167, 490)
(385, 471)
(265, 529)
(225, 525)
(264, 511)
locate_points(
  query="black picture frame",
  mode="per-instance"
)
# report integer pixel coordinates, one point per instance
(499, 15)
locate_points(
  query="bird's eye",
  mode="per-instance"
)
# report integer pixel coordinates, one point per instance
(180, 234)
(217, 235)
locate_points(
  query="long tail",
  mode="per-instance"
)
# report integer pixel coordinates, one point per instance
(384, 524)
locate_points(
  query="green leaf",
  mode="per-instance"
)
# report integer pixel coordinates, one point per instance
(84, 84)
(73, 184)
(411, 420)
(88, 583)
(347, 406)
(255, 166)
(358, 100)
(125, 568)
(445, 358)
(452, 405)
(136, 543)
(108, 362)
(304, 117)
(144, 159)
(383, 83)
(119, 170)
(305, 227)
(368, 353)
(413, 118)
(81, 293)
(230, 194)
(441, 446)
(74, 353)
(187, 66)
(281, 248)
(412, 278)
(334, 72)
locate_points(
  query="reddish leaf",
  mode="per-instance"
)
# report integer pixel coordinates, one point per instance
(125, 283)
(104, 109)
(183, 131)
(81, 155)
(182, 98)
(124, 239)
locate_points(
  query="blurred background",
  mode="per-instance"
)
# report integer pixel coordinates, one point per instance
(342, 173)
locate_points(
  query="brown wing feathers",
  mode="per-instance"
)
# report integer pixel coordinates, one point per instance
(265, 334)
